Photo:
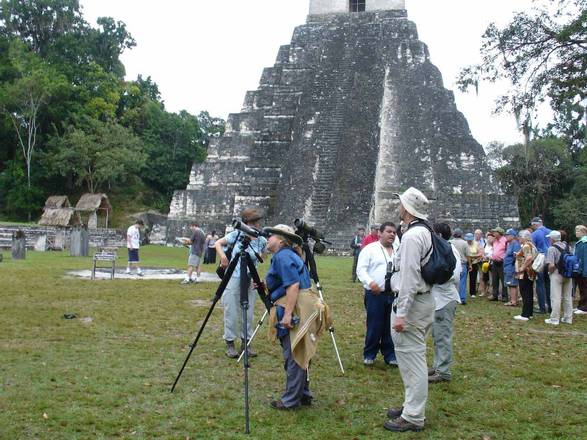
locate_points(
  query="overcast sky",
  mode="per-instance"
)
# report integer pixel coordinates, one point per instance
(205, 54)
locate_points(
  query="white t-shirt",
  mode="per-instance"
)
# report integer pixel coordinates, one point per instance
(133, 237)
(449, 291)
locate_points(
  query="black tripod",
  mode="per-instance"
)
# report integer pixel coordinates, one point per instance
(311, 264)
(245, 262)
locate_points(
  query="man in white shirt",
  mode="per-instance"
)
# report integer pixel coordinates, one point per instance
(374, 268)
(446, 298)
(133, 242)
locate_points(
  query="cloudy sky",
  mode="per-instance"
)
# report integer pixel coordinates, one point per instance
(205, 54)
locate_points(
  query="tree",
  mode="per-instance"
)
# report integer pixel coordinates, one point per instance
(543, 54)
(23, 98)
(98, 153)
(538, 174)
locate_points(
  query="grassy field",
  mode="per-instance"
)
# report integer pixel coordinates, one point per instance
(109, 376)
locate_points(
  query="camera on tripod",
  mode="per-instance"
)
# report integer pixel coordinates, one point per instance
(243, 227)
(306, 231)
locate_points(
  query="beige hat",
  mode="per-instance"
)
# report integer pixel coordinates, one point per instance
(415, 202)
(285, 231)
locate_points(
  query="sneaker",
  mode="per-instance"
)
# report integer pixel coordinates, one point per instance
(437, 378)
(368, 361)
(473, 296)
(551, 321)
(520, 318)
(566, 321)
(580, 312)
(431, 371)
(127, 271)
(401, 425)
(392, 363)
(140, 274)
(394, 413)
(185, 281)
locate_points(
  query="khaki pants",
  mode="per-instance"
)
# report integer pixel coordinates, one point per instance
(561, 289)
(410, 351)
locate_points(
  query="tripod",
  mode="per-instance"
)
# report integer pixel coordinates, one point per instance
(311, 263)
(245, 262)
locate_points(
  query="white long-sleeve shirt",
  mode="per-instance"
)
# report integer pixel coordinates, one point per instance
(412, 254)
(449, 291)
(372, 264)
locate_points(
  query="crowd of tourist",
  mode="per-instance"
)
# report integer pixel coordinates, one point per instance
(532, 266)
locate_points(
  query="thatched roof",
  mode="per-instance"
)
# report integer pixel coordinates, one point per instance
(92, 202)
(57, 202)
(60, 217)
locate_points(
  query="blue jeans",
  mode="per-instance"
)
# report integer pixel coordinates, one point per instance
(463, 282)
(378, 337)
(543, 290)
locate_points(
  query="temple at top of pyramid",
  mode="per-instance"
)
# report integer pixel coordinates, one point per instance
(351, 112)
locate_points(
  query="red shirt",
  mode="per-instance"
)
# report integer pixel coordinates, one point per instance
(499, 247)
(371, 238)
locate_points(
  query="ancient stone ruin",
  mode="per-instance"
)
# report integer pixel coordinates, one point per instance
(352, 111)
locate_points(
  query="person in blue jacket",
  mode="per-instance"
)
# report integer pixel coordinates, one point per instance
(286, 279)
(581, 253)
(509, 266)
(542, 279)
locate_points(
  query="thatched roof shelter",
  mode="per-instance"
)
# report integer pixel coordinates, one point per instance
(60, 217)
(56, 202)
(93, 202)
(94, 205)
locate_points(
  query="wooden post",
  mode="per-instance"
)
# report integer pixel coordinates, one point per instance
(18, 245)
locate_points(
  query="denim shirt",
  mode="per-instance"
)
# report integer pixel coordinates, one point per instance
(286, 269)
(509, 260)
(539, 239)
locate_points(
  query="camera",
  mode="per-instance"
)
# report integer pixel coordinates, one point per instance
(253, 232)
(305, 229)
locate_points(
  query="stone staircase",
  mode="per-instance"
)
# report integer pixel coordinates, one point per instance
(328, 136)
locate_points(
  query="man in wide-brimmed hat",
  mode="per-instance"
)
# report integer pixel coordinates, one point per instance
(298, 317)
(414, 305)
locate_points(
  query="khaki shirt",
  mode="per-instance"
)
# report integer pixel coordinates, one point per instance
(415, 244)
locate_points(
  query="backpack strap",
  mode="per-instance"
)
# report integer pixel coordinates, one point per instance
(427, 226)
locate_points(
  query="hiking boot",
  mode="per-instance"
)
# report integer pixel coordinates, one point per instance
(252, 353)
(306, 401)
(394, 413)
(278, 404)
(431, 371)
(231, 350)
(401, 425)
(437, 378)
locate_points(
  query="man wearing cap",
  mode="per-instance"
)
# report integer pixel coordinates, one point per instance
(542, 279)
(374, 269)
(373, 236)
(231, 296)
(509, 266)
(560, 287)
(497, 278)
(463, 248)
(412, 315)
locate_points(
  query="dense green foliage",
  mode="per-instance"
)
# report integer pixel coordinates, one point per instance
(543, 54)
(70, 123)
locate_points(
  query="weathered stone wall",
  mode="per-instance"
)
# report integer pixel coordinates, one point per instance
(351, 112)
(98, 237)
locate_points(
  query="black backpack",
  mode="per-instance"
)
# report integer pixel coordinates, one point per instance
(442, 262)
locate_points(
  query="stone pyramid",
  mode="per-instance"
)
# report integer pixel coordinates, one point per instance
(352, 111)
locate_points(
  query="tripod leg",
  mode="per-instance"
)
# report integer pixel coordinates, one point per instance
(331, 330)
(259, 324)
(217, 296)
(244, 300)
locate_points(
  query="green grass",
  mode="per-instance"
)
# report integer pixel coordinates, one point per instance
(110, 378)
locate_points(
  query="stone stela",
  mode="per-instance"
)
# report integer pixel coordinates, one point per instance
(351, 112)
